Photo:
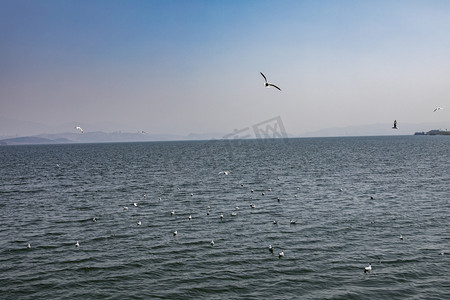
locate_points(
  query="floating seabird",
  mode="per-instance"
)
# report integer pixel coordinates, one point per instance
(221, 217)
(252, 205)
(212, 242)
(266, 84)
(270, 248)
(262, 194)
(125, 208)
(371, 198)
(139, 223)
(368, 268)
(94, 220)
(293, 222)
(401, 237)
(172, 212)
(79, 129)
(275, 222)
(192, 194)
(281, 254)
(234, 213)
(190, 218)
(225, 172)
(135, 204)
(395, 125)
(437, 108)
(28, 246)
(77, 244)
(175, 232)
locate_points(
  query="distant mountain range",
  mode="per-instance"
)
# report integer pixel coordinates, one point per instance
(27, 140)
(32, 133)
(98, 137)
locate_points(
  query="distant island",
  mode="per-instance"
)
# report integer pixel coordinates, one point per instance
(28, 140)
(434, 132)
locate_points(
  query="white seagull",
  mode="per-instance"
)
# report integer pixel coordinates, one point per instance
(281, 254)
(212, 243)
(225, 172)
(368, 268)
(77, 244)
(139, 223)
(175, 232)
(28, 246)
(437, 108)
(270, 248)
(79, 129)
(266, 84)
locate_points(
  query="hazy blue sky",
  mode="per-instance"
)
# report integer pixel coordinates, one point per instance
(193, 66)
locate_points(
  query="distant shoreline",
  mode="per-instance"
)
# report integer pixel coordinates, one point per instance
(434, 132)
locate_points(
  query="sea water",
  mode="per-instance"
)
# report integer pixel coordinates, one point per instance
(350, 199)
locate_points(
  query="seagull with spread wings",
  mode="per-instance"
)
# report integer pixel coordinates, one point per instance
(266, 84)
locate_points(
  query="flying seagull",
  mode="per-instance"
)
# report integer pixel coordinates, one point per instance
(266, 84)
(79, 129)
(395, 125)
(437, 108)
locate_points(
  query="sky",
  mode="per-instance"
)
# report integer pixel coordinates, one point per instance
(180, 67)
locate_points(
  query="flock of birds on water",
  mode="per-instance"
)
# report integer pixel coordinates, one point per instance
(367, 269)
(271, 249)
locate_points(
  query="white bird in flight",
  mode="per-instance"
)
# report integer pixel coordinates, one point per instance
(437, 108)
(79, 129)
(266, 84)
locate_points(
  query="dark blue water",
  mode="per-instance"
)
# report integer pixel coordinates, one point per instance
(49, 195)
